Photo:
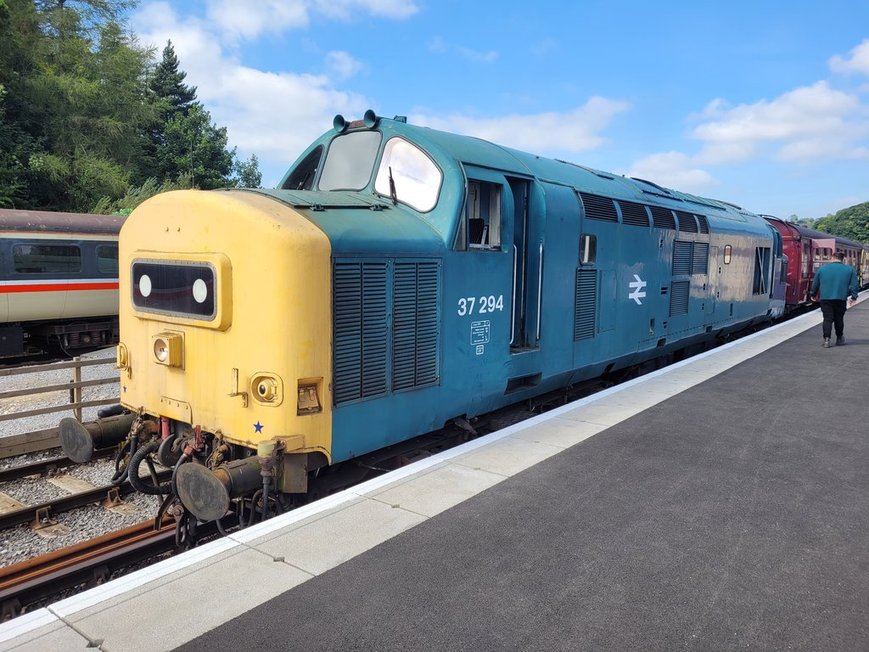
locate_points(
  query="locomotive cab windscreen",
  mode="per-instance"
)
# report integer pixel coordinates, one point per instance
(405, 173)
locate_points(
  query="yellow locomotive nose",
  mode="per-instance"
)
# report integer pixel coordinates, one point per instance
(205, 352)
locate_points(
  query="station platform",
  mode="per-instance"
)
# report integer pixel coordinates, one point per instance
(720, 503)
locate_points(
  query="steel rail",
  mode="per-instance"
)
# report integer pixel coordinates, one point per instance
(47, 466)
(40, 514)
(89, 563)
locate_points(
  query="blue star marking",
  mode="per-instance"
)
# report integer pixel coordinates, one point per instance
(258, 427)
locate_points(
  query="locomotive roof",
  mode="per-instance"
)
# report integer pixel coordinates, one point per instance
(50, 222)
(482, 153)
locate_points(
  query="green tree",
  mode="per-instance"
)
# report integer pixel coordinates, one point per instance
(19, 31)
(135, 195)
(247, 173)
(86, 114)
(851, 222)
(77, 111)
(167, 84)
(195, 146)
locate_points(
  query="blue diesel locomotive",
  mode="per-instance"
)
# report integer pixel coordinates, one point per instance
(400, 278)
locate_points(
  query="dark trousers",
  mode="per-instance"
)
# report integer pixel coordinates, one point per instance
(834, 314)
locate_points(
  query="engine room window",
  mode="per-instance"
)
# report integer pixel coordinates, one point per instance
(302, 176)
(728, 252)
(46, 259)
(587, 248)
(350, 161)
(408, 175)
(483, 215)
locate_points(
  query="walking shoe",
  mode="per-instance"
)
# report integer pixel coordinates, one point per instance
(826, 342)
(840, 341)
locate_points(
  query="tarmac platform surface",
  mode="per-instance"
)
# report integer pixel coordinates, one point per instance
(722, 503)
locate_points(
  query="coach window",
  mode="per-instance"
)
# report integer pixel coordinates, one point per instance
(587, 248)
(107, 259)
(728, 252)
(407, 175)
(46, 259)
(483, 215)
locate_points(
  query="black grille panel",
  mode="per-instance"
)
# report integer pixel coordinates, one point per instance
(599, 208)
(372, 356)
(663, 217)
(679, 298)
(584, 304)
(359, 330)
(687, 224)
(416, 323)
(634, 214)
(701, 258)
(682, 257)
(704, 224)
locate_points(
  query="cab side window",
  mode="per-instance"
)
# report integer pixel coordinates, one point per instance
(483, 215)
(302, 177)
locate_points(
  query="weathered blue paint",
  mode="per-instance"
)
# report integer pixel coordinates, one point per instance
(477, 365)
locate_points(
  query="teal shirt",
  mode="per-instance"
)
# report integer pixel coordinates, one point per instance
(835, 281)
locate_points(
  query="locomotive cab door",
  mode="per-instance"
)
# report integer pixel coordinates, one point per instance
(525, 330)
(497, 221)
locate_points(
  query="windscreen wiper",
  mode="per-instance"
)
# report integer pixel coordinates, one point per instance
(392, 192)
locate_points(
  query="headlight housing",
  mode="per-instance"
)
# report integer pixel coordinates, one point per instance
(168, 349)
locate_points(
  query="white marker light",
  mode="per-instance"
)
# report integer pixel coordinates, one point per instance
(200, 290)
(145, 285)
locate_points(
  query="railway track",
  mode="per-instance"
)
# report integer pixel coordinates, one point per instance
(45, 466)
(43, 514)
(88, 564)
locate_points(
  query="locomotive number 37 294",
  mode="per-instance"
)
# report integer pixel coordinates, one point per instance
(480, 305)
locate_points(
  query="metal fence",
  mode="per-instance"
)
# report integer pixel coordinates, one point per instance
(42, 439)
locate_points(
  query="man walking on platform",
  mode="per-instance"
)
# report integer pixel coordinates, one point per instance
(835, 281)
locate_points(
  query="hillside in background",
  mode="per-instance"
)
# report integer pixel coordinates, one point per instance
(851, 222)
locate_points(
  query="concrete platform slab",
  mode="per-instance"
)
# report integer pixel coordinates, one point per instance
(506, 456)
(248, 575)
(438, 490)
(40, 631)
(319, 545)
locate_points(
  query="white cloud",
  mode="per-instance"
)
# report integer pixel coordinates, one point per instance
(287, 114)
(343, 64)
(672, 170)
(249, 19)
(858, 62)
(346, 9)
(275, 115)
(572, 131)
(805, 122)
(439, 46)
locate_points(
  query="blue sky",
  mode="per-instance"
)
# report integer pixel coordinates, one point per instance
(762, 103)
